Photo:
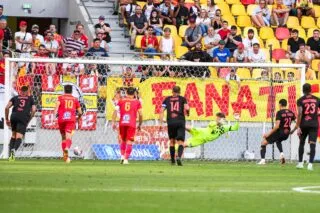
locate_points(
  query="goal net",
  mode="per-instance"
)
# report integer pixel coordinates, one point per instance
(252, 90)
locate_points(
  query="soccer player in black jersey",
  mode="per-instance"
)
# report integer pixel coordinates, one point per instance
(22, 112)
(280, 131)
(307, 123)
(177, 108)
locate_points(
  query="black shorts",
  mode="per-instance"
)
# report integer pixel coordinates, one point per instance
(312, 132)
(177, 130)
(278, 136)
(18, 125)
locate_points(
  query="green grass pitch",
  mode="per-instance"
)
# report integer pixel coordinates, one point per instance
(50, 186)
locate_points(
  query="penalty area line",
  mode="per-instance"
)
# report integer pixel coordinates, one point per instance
(307, 189)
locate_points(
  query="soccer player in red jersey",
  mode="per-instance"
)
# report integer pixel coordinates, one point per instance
(129, 108)
(66, 107)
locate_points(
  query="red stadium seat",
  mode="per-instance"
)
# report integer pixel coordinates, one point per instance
(282, 33)
(247, 2)
(278, 54)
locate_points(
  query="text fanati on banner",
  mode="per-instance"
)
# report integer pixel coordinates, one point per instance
(255, 100)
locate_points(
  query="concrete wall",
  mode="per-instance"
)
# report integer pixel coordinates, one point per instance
(40, 8)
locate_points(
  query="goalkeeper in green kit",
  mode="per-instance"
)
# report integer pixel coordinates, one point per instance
(213, 131)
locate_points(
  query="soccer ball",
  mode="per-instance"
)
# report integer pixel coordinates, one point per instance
(77, 151)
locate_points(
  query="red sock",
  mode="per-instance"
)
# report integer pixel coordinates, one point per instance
(128, 151)
(122, 148)
(68, 143)
(63, 145)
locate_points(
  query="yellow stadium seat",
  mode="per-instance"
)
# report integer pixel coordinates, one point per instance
(261, 42)
(138, 42)
(308, 22)
(317, 10)
(239, 32)
(204, 2)
(284, 44)
(315, 64)
(285, 61)
(238, 10)
(318, 22)
(293, 22)
(173, 29)
(274, 42)
(256, 73)
(182, 30)
(219, 1)
(180, 51)
(310, 32)
(244, 21)
(177, 40)
(267, 53)
(243, 73)
(213, 72)
(251, 8)
(224, 7)
(311, 75)
(245, 31)
(266, 33)
(231, 2)
(302, 32)
(141, 3)
(230, 19)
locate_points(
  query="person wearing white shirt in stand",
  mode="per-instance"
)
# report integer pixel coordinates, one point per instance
(167, 44)
(232, 76)
(211, 41)
(203, 21)
(250, 40)
(256, 55)
(261, 15)
(211, 8)
(35, 28)
(303, 56)
(23, 40)
(51, 45)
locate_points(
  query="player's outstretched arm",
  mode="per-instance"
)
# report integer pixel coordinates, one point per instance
(56, 108)
(114, 117)
(140, 118)
(9, 105)
(236, 126)
(299, 117)
(80, 113)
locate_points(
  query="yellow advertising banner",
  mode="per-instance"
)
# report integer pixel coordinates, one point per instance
(254, 100)
(49, 101)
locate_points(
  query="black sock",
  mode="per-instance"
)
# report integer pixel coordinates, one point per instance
(279, 145)
(180, 151)
(301, 151)
(11, 144)
(17, 143)
(263, 151)
(172, 153)
(312, 152)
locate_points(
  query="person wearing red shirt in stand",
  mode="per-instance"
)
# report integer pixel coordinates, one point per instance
(129, 107)
(83, 36)
(149, 42)
(67, 106)
(225, 31)
(40, 68)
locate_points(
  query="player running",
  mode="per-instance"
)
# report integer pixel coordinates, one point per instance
(128, 107)
(23, 111)
(307, 124)
(177, 107)
(212, 132)
(66, 108)
(280, 131)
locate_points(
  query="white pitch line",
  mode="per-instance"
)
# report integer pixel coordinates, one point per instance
(307, 189)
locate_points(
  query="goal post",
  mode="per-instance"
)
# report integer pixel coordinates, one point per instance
(104, 81)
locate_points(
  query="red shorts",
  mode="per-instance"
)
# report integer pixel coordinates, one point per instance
(127, 133)
(67, 127)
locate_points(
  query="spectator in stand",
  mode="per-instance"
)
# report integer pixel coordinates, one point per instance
(35, 28)
(256, 55)
(1, 39)
(156, 22)
(73, 43)
(211, 9)
(240, 55)
(250, 40)
(105, 27)
(261, 15)
(224, 32)
(280, 14)
(221, 54)
(23, 40)
(148, 8)
(211, 41)
(40, 68)
(97, 50)
(313, 44)
(128, 76)
(293, 43)
(138, 24)
(5, 54)
(192, 35)
(203, 21)
(1, 13)
(73, 69)
(290, 4)
(166, 10)
(291, 77)
(303, 56)
(167, 44)
(232, 76)
(305, 8)
(216, 22)
(130, 10)
(83, 37)
(8, 36)
(195, 9)
(181, 14)
(264, 75)
(35, 41)
(51, 45)
(100, 35)
(233, 40)
(58, 38)
(277, 78)
(149, 42)
(197, 55)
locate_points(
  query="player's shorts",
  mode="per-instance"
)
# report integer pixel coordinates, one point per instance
(278, 136)
(177, 130)
(18, 126)
(312, 132)
(127, 133)
(67, 127)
